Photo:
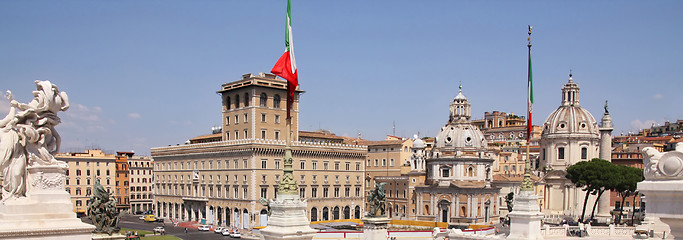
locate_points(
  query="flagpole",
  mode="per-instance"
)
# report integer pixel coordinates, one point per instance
(527, 184)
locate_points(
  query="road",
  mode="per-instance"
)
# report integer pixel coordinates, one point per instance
(132, 222)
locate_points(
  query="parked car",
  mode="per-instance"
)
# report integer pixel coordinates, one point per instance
(218, 230)
(138, 212)
(142, 218)
(159, 230)
(160, 220)
(204, 228)
(226, 232)
(235, 234)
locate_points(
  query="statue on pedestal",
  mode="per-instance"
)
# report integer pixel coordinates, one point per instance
(102, 211)
(28, 137)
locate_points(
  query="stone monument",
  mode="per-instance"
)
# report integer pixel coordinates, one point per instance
(287, 213)
(34, 202)
(663, 187)
(375, 222)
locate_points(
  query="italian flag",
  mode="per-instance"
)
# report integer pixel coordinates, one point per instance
(530, 98)
(286, 65)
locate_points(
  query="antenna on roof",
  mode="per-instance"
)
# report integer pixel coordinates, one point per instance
(394, 132)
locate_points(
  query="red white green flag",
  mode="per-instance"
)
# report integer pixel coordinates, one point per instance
(530, 95)
(286, 65)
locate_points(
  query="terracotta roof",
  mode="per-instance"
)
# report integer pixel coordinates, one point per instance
(215, 135)
(319, 135)
(381, 143)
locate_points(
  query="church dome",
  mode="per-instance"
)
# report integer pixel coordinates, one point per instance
(459, 137)
(459, 133)
(570, 117)
(418, 143)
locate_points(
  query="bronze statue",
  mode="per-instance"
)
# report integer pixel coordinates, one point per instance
(377, 201)
(102, 211)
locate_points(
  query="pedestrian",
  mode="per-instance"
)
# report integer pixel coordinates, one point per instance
(185, 230)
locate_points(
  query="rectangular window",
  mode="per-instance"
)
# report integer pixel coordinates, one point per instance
(336, 166)
(263, 134)
(277, 118)
(227, 121)
(325, 164)
(357, 166)
(336, 192)
(277, 135)
(246, 119)
(325, 192)
(264, 163)
(302, 192)
(263, 117)
(348, 166)
(391, 162)
(237, 192)
(244, 191)
(303, 165)
(237, 134)
(237, 119)
(347, 192)
(315, 165)
(244, 162)
(264, 192)
(314, 192)
(560, 153)
(246, 133)
(277, 164)
(357, 192)
(227, 135)
(584, 153)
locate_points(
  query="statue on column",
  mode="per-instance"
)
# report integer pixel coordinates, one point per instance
(28, 136)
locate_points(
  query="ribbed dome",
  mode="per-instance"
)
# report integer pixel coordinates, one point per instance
(460, 136)
(570, 117)
(459, 133)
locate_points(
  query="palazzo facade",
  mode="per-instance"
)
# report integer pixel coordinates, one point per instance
(220, 180)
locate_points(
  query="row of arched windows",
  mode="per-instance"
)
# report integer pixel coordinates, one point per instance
(263, 101)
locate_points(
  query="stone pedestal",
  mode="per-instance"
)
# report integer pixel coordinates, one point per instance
(288, 219)
(664, 210)
(375, 228)
(46, 212)
(525, 218)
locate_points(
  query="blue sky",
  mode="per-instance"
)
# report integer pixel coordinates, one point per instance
(144, 74)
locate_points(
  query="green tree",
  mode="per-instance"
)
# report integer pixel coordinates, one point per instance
(595, 177)
(629, 178)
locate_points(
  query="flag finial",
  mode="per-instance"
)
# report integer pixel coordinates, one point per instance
(529, 38)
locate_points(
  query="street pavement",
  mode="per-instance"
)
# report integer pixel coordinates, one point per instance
(133, 222)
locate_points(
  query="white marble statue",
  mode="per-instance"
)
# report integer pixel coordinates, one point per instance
(28, 136)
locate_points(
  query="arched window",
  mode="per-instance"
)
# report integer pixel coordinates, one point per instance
(314, 214)
(227, 103)
(237, 101)
(264, 99)
(276, 101)
(246, 100)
